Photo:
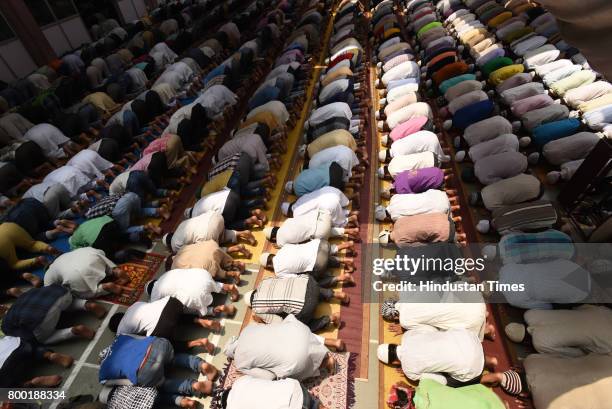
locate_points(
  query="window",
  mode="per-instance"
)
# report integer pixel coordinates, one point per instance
(41, 12)
(6, 32)
(62, 8)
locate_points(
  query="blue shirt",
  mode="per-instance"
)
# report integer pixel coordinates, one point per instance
(310, 180)
(124, 358)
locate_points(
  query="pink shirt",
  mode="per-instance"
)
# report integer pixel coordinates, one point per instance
(143, 163)
(158, 145)
(408, 128)
(522, 106)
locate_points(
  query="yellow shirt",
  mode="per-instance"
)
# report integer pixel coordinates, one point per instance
(331, 139)
(102, 101)
(500, 18)
(500, 75)
(217, 183)
(264, 117)
(340, 72)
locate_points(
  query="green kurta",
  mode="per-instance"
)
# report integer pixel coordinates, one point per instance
(87, 233)
(433, 395)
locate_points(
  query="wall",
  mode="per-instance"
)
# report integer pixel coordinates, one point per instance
(15, 55)
(66, 34)
(131, 9)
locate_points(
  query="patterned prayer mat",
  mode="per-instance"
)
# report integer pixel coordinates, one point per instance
(140, 271)
(334, 392)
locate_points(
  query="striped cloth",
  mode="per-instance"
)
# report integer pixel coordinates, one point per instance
(524, 217)
(522, 248)
(228, 163)
(284, 296)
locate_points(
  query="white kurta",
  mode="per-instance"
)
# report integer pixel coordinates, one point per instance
(294, 259)
(422, 141)
(90, 163)
(142, 317)
(70, 177)
(49, 138)
(431, 201)
(414, 161)
(213, 202)
(327, 198)
(253, 393)
(429, 353)
(279, 350)
(313, 225)
(81, 270)
(193, 287)
(342, 155)
(206, 226)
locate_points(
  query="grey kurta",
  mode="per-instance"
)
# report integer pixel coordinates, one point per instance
(280, 350)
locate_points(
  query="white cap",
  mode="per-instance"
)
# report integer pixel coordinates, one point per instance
(268, 232)
(380, 212)
(533, 158)
(448, 124)
(379, 64)
(381, 172)
(457, 141)
(377, 115)
(489, 251)
(289, 187)
(524, 141)
(382, 155)
(460, 156)
(380, 125)
(105, 394)
(263, 259)
(302, 151)
(165, 241)
(515, 332)
(383, 236)
(382, 101)
(383, 353)
(377, 82)
(285, 208)
(247, 297)
(516, 125)
(483, 226)
(384, 140)
(187, 213)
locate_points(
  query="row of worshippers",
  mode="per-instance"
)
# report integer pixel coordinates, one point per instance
(530, 250)
(230, 203)
(27, 154)
(284, 305)
(421, 208)
(67, 281)
(493, 148)
(140, 190)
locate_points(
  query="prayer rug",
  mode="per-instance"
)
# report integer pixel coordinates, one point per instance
(334, 392)
(140, 271)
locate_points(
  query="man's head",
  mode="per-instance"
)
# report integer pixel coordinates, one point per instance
(271, 233)
(149, 287)
(289, 187)
(381, 213)
(167, 240)
(286, 209)
(387, 353)
(266, 260)
(113, 324)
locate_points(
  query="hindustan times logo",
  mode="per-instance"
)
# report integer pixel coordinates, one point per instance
(412, 265)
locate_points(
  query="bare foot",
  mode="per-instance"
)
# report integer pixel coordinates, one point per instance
(335, 319)
(32, 279)
(210, 324)
(82, 331)
(209, 371)
(49, 381)
(14, 292)
(202, 387)
(188, 403)
(96, 309)
(203, 343)
(63, 360)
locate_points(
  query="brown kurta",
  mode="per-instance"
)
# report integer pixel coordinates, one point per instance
(205, 254)
(422, 228)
